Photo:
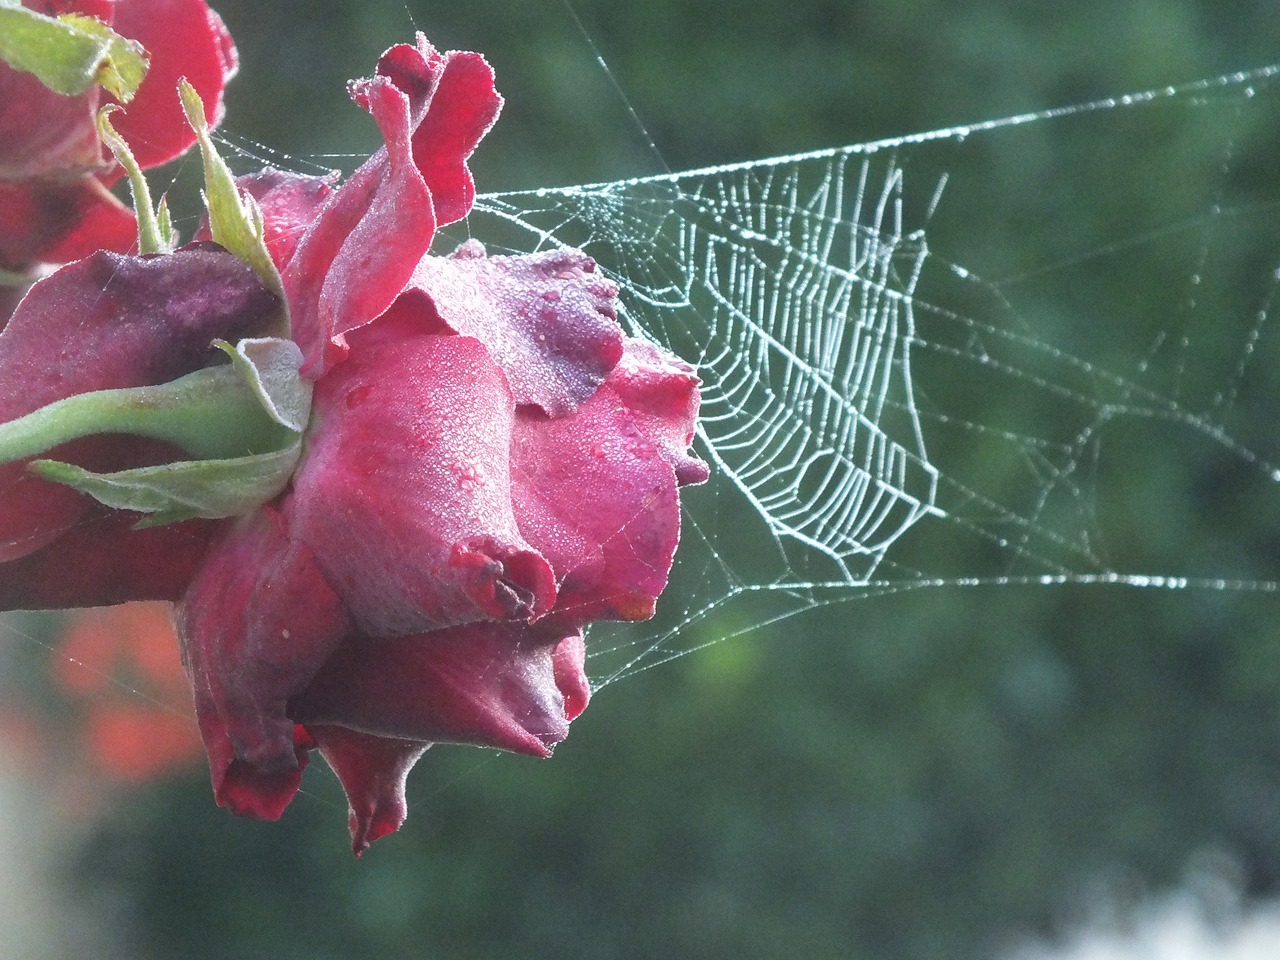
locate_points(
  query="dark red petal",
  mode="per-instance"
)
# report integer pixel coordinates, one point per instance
(596, 491)
(104, 322)
(102, 560)
(255, 626)
(372, 771)
(404, 491)
(10, 295)
(258, 790)
(547, 318)
(290, 202)
(363, 245)
(60, 221)
(185, 39)
(486, 684)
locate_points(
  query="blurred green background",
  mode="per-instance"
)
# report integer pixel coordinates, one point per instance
(917, 776)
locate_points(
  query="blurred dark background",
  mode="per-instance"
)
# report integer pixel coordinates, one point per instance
(918, 776)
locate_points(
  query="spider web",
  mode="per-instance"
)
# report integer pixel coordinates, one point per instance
(892, 401)
(858, 383)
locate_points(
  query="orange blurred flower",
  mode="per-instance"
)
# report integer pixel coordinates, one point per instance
(121, 666)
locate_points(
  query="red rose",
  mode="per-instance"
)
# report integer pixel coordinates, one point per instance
(489, 466)
(54, 205)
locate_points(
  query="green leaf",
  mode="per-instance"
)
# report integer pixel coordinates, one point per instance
(184, 490)
(69, 54)
(235, 220)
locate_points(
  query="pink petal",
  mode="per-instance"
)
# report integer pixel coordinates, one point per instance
(569, 660)
(256, 625)
(44, 134)
(596, 491)
(362, 248)
(103, 322)
(404, 493)
(455, 115)
(372, 771)
(548, 319)
(486, 684)
(185, 39)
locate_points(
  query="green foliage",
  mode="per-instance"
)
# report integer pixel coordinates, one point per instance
(70, 53)
(911, 777)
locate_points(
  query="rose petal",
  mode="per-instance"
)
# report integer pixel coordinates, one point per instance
(569, 661)
(256, 625)
(548, 320)
(452, 119)
(362, 247)
(185, 39)
(60, 221)
(404, 491)
(595, 492)
(372, 771)
(260, 790)
(102, 560)
(43, 133)
(486, 684)
(104, 322)
(290, 203)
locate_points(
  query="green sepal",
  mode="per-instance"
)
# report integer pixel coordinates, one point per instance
(269, 366)
(155, 230)
(243, 421)
(173, 492)
(235, 219)
(70, 53)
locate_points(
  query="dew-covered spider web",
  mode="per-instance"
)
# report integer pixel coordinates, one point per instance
(893, 401)
(915, 378)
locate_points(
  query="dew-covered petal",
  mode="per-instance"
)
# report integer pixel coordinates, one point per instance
(104, 322)
(372, 771)
(456, 106)
(548, 319)
(486, 684)
(362, 247)
(404, 492)
(43, 133)
(256, 625)
(596, 492)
